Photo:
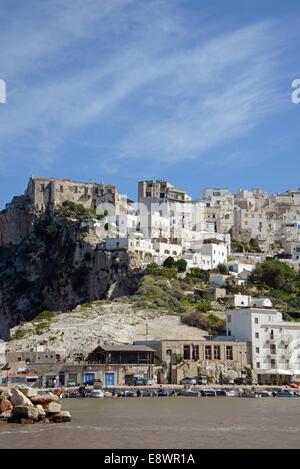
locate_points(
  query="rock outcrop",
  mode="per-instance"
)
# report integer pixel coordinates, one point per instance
(56, 265)
(18, 408)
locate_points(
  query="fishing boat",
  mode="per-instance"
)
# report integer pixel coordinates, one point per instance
(189, 392)
(231, 393)
(163, 393)
(130, 394)
(285, 393)
(250, 395)
(264, 394)
(208, 392)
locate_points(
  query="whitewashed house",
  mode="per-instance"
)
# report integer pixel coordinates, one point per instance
(275, 343)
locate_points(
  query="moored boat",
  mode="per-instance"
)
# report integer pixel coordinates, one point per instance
(285, 393)
(208, 392)
(189, 392)
(264, 394)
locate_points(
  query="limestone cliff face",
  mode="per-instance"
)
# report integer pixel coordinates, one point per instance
(56, 266)
(17, 220)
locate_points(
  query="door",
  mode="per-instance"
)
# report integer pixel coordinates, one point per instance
(109, 379)
(89, 377)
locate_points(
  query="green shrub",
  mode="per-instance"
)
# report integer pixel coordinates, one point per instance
(181, 265)
(206, 322)
(44, 315)
(169, 262)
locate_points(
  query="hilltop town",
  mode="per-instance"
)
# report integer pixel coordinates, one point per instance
(96, 286)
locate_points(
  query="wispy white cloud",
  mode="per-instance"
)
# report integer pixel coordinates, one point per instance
(134, 69)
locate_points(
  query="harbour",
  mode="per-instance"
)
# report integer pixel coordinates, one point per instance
(171, 422)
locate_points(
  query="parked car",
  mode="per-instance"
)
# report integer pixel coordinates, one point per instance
(240, 381)
(201, 379)
(227, 381)
(188, 381)
(135, 381)
(148, 382)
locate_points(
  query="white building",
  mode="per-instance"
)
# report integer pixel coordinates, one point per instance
(238, 267)
(216, 251)
(275, 343)
(142, 248)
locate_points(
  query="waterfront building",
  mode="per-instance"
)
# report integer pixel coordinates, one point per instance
(112, 365)
(212, 356)
(275, 343)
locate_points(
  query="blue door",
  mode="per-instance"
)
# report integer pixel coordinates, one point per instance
(109, 379)
(89, 377)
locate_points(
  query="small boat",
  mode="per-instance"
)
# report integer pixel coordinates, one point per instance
(208, 392)
(189, 392)
(264, 394)
(285, 393)
(96, 393)
(130, 394)
(231, 393)
(147, 393)
(250, 395)
(163, 393)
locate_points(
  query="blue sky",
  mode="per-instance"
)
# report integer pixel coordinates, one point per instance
(193, 91)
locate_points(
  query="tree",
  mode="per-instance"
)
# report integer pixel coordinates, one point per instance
(273, 273)
(169, 262)
(181, 265)
(222, 269)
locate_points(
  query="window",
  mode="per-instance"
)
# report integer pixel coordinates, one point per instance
(229, 354)
(208, 352)
(257, 365)
(195, 351)
(42, 187)
(257, 350)
(86, 191)
(256, 335)
(75, 189)
(186, 352)
(148, 194)
(61, 188)
(96, 190)
(256, 320)
(217, 352)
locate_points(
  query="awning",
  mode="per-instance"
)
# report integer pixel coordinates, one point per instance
(278, 371)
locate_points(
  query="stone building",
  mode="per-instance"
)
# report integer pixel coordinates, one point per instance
(46, 193)
(214, 357)
(112, 365)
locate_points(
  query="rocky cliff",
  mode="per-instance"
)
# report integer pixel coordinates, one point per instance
(55, 263)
